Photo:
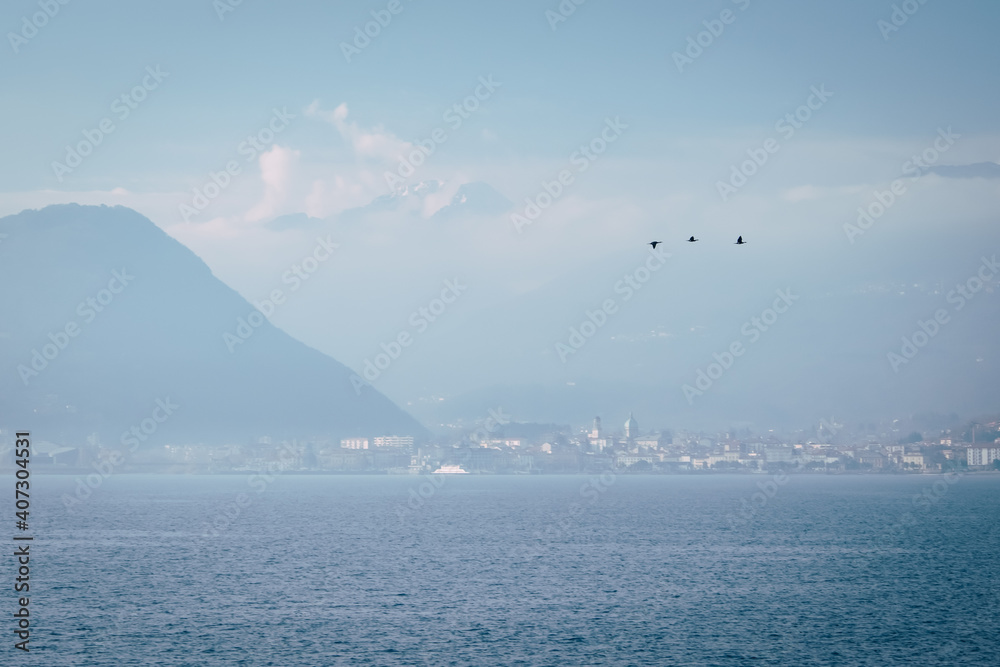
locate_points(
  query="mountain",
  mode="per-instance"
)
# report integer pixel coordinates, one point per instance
(293, 221)
(105, 318)
(476, 198)
(838, 352)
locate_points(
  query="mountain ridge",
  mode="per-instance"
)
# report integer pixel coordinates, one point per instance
(117, 315)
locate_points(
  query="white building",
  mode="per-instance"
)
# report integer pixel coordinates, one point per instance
(625, 461)
(393, 441)
(354, 443)
(778, 454)
(631, 428)
(596, 432)
(983, 456)
(650, 440)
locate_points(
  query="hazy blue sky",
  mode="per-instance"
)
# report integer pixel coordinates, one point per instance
(893, 92)
(605, 59)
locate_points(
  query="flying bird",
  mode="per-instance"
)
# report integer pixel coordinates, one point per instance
(654, 244)
(740, 241)
(692, 240)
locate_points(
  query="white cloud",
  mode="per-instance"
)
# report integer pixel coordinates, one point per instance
(374, 144)
(276, 166)
(435, 201)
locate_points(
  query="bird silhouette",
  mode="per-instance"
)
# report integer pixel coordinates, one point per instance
(740, 241)
(654, 244)
(692, 240)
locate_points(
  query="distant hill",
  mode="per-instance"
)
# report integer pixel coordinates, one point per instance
(978, 170)
(157, 325)
(475, 199)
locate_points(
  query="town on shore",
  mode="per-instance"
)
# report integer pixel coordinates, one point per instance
(501, 446)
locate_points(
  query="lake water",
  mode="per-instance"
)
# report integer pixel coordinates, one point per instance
(519, 570)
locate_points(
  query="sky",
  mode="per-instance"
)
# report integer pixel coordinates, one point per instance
(334, 112)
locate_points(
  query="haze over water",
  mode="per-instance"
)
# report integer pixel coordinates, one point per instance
(313, 261)
(539, 570)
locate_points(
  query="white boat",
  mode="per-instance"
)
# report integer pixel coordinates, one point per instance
(450, 470)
